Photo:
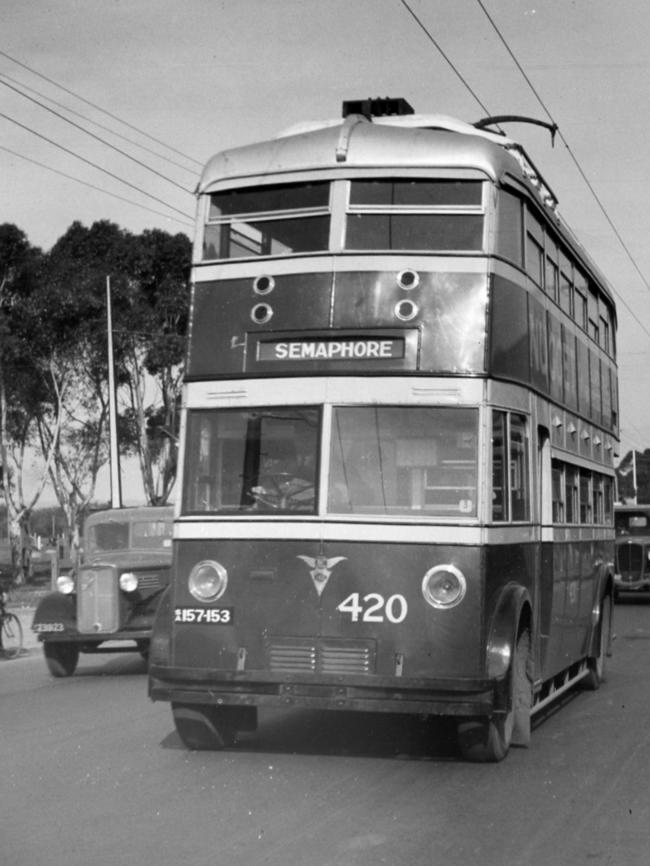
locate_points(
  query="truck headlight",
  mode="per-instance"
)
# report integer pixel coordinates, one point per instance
(65, 584)
(208, 580)
(128, 581)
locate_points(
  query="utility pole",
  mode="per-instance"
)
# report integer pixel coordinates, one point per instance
(116, 479)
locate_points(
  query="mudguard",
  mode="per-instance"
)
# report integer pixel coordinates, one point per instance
(55, 615)
(513, 603)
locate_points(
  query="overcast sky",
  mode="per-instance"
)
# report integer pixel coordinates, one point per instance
(205, 75)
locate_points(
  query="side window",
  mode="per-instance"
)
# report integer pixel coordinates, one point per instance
(586, 502)
(510, 476)
(558, 492)
(571, 494)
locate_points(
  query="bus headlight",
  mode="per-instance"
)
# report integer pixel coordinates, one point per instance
(444, 586)
(128, 581)
(65, 584)
(208, 580)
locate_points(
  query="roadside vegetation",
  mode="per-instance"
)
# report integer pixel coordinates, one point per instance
(54, 368)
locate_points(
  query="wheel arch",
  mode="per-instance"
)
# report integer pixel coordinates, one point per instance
(512, 614)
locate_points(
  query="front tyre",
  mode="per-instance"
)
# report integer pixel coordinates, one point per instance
(488, 739)
(203, 727)
(596, 662)
(61, 658)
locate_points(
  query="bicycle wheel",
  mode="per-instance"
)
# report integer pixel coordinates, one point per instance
(12, 636)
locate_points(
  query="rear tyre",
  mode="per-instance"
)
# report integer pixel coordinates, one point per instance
(12, 636)
(203, 727)
(61, 658)
(596, 663)
(488, 739)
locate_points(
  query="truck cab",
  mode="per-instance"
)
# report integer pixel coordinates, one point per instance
(109, 604)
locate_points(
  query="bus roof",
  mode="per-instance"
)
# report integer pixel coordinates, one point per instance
(410, 141)
(413, 141)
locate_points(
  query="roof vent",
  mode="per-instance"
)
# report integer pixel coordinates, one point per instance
(379, 107)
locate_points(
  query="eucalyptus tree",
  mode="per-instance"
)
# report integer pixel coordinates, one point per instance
(149, 289)
(27, 385)
(74, 301)
(152, 351)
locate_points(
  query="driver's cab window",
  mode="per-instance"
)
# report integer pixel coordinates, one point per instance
(256, 460)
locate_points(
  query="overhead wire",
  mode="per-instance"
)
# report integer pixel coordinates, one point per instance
(95, 165)
(22, 156)
(96, 137)
(431, 39)
(100, 109)
(577, 165)
(96, 123)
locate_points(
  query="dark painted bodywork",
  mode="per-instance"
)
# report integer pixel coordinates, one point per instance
(288, 645)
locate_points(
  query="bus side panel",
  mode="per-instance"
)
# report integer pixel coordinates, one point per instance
(358, 605)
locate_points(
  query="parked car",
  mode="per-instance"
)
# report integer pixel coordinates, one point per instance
(114, 595)
(632, 548)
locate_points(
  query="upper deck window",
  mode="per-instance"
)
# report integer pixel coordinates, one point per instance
(415, 214)
(267, 220)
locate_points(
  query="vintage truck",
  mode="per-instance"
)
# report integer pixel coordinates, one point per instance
(110, 603)
(632, 549)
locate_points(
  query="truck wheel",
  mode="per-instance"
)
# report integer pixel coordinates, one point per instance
(204, 727)
(61, 658)
(488, 739)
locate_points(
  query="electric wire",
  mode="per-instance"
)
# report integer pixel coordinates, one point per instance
(187, 222)
(98, 124)
(96, 137)
(99, 108)
(442, 53)
(577, 165)
(94, 165)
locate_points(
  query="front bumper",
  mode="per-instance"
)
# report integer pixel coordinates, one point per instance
(466, 697)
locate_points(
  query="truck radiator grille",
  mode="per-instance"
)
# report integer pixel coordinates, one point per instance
(97, 601)
(320, 656)
(630, 561)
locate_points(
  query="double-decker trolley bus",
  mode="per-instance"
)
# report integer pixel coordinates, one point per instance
(398, 437)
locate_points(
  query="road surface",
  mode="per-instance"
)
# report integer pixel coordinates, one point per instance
(93, 773)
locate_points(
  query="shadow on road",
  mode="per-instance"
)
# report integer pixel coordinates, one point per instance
(312, 732)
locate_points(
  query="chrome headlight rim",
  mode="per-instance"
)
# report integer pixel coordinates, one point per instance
(196, 581)
(65, 584)
(435, 601)
(128, 581)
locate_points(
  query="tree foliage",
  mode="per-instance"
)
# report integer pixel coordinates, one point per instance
(54, 366)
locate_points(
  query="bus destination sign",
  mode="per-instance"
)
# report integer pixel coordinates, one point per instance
(347, 349)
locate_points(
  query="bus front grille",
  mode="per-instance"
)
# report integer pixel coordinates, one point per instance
(320, 655)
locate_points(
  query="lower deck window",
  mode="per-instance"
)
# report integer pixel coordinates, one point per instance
(403, 460)
(510, 481)
(382, 461)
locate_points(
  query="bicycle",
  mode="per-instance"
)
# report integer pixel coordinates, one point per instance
(11, 631)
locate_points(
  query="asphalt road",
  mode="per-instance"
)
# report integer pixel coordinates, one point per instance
(93, 773)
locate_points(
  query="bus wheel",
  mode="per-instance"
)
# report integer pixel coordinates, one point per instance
(204, 727)
(61, 658)
(596, 663)
(488, 739)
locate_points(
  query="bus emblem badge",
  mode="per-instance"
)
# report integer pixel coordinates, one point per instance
(321, 569)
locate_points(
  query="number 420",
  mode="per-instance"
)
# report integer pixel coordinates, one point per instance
(374, 607)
